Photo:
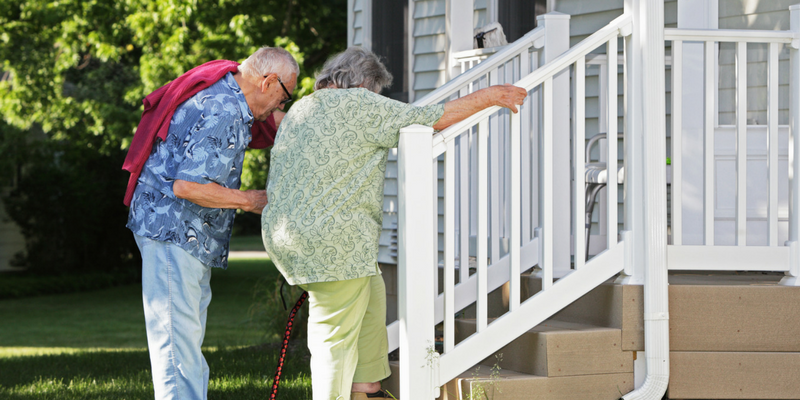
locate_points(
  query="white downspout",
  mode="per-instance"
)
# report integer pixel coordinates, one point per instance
(648, 57)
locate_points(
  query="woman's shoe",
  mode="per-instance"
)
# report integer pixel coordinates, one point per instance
(380, 394)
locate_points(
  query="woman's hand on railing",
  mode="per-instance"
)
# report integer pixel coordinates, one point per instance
(508, 96)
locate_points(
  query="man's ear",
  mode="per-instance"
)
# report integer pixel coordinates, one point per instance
(271, 79)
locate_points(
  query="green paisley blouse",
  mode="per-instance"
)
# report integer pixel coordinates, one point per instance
(325, 185)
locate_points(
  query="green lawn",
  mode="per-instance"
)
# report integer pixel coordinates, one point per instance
(92, 345)
(247, 243)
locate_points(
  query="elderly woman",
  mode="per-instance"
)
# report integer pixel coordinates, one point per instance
(323, 220)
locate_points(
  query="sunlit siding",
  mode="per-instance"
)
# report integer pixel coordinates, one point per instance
(749, 14)
(429, 46)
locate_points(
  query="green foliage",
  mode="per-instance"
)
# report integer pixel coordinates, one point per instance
(63, 206)
(269, 314)
(79, 69)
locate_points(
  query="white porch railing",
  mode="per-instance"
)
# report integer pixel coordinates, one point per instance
(747, 146)
(466, 147)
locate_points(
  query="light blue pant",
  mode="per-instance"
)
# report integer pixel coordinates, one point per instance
(176, 292)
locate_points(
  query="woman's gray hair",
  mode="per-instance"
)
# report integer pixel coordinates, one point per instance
(270, 60)
(355, 67)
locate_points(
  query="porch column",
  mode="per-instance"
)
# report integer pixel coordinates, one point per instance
(556, 26)
(459, 28)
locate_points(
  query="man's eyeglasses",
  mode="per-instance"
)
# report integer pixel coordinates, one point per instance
(288, 95)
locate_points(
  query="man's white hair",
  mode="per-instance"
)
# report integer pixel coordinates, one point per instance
(270, 60)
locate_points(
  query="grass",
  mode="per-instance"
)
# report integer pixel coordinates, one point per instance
(247, 243)
(92, 345)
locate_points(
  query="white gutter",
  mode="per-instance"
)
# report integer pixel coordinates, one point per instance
(647, 66)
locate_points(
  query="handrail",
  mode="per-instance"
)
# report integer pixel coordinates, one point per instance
(537, 77)
(732, 35)
(502, 56)
(486, 51)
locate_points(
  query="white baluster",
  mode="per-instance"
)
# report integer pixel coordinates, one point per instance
(741, 143)
(710, 96)
(483, 177)
(579, 148)
(494, 168)
(772, 126)
(514, 233)
(449, 244)
(611, 163)
(546, 198)
(677, 143)
(463, 260)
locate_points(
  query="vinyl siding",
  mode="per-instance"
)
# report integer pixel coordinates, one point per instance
(357, 22)
(429, 46)
(765, 15)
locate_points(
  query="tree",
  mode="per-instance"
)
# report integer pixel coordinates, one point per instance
(79, 69)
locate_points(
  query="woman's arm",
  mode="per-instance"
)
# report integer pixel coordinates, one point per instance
(507, 95)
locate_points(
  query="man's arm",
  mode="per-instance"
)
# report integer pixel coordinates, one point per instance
(212, 195)
(507, 95)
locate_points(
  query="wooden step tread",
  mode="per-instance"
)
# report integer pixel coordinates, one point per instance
(513, 385)
(559, 348)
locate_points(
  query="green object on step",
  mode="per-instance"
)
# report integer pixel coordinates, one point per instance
(669, 161)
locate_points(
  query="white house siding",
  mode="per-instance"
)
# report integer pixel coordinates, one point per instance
(429, 41)
(744, 14)
(356, 19)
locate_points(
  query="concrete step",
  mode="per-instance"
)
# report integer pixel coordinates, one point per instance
(559, 348)
(481, 383)
(734, 375)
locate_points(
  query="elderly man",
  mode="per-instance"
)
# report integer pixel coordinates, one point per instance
(183, 195)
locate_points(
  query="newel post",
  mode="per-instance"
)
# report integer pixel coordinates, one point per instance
(415, 227)
(792, 277)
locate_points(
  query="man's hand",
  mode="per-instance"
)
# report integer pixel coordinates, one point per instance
(257, 199)
(508, 96)
(212, 195)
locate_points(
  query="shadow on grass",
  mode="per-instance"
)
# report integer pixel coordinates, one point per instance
(235, 374)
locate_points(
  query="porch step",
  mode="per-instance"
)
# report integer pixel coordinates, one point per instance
(512, 385)
(559, 348)
(733, 314)
(734, 375)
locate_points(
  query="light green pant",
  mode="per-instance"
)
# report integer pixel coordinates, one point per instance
(346, 335)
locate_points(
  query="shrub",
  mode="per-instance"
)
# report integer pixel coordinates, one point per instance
(68, 204)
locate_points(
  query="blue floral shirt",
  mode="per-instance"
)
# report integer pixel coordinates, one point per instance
(207, 138)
